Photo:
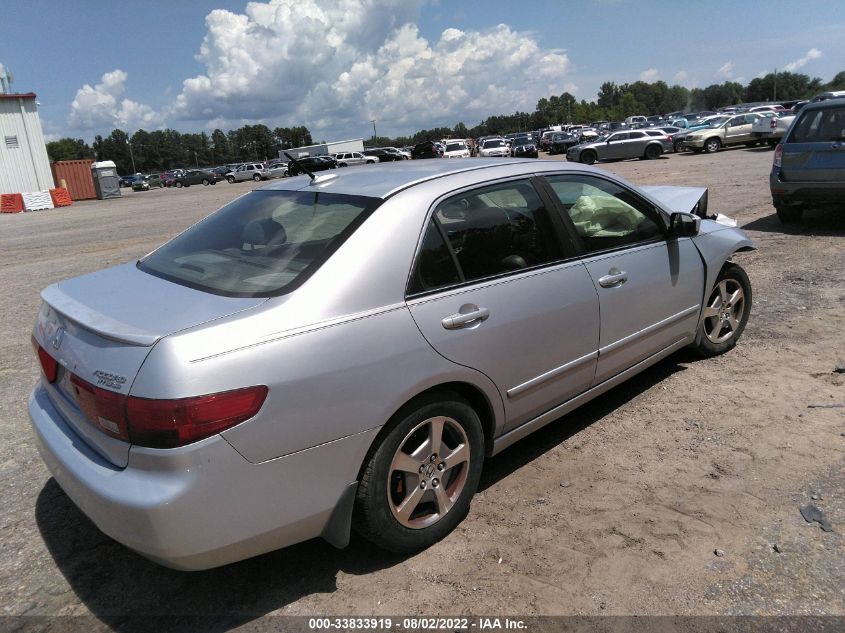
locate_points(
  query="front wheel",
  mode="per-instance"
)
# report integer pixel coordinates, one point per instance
(678, 147)
(231, 179)
(418, 483)
(179, 184)
(256, 177)
(725, 313)
(588, 157)
(205, 182)
(712, 145)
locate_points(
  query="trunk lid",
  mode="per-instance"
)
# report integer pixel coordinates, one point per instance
(101, 327)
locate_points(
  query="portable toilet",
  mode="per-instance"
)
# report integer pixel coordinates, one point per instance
(106, 181)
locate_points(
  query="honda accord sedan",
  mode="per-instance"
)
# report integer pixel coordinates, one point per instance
(345, 350)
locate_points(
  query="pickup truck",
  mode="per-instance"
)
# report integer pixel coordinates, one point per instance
(771, 129)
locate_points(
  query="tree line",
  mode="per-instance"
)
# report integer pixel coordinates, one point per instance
(166, 149)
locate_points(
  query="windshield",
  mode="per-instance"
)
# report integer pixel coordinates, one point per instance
(262, 244)
(455, 147)
(717, 122)
(496, 143)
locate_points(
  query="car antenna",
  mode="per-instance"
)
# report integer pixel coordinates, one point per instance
(300, 165)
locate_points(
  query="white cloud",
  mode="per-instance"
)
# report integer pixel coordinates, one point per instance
(726, 71)
(680, 76)
(334, 65)
(811, 54)
(100, 107)
(649, 75)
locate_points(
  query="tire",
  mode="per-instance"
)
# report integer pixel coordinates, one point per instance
(725, 312)
(205, 182)
(788, 214)
(652, 152)
(587, 157)
(712, 145)
(342, 165)
(179, 184)
(773, 142)
(161, 185)
(393, 518)
(371, 162)
(678, 147)
(256, 177)
(231, 179)
(285, 174)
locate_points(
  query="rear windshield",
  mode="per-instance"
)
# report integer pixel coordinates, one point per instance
(262, 244)
(819, 126)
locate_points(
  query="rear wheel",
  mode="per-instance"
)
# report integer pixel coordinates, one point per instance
(678, 147)
(205, 182)
(256, 177)
(588, 157)
(712, 145)
(788, 214)
(653, 152)
(418, 483)
(179, 184)
(725, 313)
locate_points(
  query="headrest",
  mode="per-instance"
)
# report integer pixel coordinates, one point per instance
(263, 233)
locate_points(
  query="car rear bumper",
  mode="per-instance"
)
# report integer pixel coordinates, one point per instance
(790, 192)
(201, 505)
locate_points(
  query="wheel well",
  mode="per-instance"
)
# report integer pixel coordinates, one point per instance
(473, 395)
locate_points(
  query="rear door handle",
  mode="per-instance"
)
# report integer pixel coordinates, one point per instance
(463, 319)
(613, 278)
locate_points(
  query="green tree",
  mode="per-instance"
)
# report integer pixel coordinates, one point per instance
(69, 149)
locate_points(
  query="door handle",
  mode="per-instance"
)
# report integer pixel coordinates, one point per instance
(463, 319)
(613, 278)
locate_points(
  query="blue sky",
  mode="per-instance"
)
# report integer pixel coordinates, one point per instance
(335, 64)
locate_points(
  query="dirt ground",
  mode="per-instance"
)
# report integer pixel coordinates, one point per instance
(617, 508)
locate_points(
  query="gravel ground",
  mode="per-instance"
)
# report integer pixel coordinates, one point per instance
(618, 508)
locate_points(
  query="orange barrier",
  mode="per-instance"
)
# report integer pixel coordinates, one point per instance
(11, 203)
(61, 197)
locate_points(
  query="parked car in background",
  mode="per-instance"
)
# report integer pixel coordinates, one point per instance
(127, 181)
(772, 129)
(312, 163)
(426, 149)
(277, 168)
(456, 149)
(561, 142)
(195, 177)
(809, 166)
(383, 155)
(523, 147)
(686, 128)
(302, 360)
(824, 96)
(145, 183)
(345, 159)
(494, 147)
(248, 171)
(618, 146)
(405, 154)
(734, 130)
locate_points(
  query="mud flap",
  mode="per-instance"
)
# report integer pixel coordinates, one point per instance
(337, 530)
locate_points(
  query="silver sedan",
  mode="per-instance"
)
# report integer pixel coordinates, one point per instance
(346, 350)
(648, 144)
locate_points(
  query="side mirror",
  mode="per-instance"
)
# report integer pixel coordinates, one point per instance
(684, 224)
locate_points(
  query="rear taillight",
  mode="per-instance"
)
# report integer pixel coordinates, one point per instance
(166, 423)
(778, 158)
(49, 365)
(104, 409)
(171, 423)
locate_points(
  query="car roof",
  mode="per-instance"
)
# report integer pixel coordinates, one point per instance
(384, 179)
(821, 105)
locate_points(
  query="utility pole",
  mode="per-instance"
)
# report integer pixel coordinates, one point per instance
(775, 97)
(131, 155)
(375, 136)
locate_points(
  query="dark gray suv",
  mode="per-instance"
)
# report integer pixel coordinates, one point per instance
(809, 166)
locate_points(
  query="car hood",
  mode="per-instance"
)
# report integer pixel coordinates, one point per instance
(128, 305)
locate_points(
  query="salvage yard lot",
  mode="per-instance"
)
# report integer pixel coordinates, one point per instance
(617, 508)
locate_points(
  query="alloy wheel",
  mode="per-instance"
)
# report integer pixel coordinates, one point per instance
(724, 311)
(428, 472)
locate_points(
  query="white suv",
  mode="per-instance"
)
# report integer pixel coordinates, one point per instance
(345, 159)
(249, 171)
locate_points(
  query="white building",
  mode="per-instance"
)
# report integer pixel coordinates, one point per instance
(24, 166)
(321, 149)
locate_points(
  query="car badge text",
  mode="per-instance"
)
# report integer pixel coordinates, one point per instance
(114, 381)
(58, 337)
